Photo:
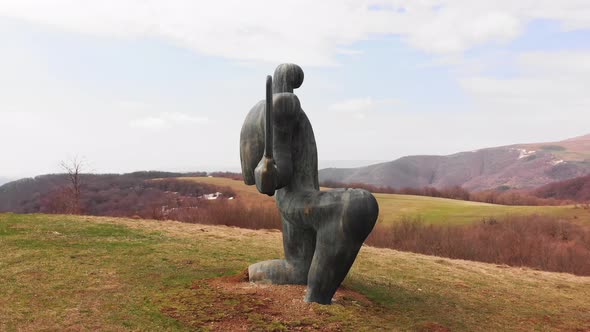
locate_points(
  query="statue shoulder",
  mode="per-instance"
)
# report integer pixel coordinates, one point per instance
(255, 115)
(286, 106)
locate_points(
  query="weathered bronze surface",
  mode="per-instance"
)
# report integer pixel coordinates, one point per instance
(323, 231)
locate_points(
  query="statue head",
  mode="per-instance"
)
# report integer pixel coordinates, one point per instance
(287, 77)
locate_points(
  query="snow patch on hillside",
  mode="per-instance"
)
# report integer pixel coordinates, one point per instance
(523, 153)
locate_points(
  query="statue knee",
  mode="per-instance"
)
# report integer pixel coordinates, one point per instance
(361, 213)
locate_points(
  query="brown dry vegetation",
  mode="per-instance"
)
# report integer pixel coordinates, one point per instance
(249, 210)
(539, 242)
(577, 189)
(230, 213)
(229, 175)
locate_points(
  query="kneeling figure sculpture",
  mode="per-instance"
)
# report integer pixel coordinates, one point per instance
(323, 231)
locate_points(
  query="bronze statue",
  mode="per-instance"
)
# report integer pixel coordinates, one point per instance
(323, 231)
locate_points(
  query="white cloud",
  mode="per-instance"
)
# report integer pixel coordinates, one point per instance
(149, 122)
(548, 92)
(457, 28)
(360, 104)
(359, 107)
(167, 120)
(552, 81)
(303, 31)
(563, 63)
(546, 97)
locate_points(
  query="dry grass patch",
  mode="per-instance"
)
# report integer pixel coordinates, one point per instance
(89, 273)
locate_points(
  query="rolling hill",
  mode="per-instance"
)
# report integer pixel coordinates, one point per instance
(133, 195)
(46, 193)
(431, 210)
(515, 166)
(73, 273)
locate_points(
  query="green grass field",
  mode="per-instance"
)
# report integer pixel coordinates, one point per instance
(429, 209)
(89, 273)
(451, 211)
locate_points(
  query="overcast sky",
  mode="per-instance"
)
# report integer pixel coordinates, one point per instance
(139, 84)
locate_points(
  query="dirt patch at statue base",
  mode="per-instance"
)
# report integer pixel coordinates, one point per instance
(234, 304)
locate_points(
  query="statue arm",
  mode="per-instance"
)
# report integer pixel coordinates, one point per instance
(275, 169)
(252, 142)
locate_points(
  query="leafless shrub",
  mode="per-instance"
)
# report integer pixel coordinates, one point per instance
(230, 213)
(539, 242)
(74, 169)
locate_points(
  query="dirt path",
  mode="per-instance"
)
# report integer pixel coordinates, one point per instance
(238, 305)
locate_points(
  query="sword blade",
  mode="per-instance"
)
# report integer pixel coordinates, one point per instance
(268, 117)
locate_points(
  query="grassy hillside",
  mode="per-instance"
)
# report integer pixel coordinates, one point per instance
(88, 273)
(430, 209)
(450, 211)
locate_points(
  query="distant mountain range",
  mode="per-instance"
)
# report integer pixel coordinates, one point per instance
(4, 180)
(513, 166)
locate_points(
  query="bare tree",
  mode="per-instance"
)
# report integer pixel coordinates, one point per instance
(73, 169)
